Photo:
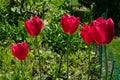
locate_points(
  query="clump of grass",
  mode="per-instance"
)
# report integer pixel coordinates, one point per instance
(114, 47)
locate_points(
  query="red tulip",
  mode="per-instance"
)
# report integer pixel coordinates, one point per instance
(103, 30)
(86, 34)
(33, 26)
(69, 23)
(20, 50)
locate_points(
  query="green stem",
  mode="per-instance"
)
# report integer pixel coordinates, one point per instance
(21, 69)
(100, 59)
(16, 71)
(67, 58)
(106, 64)
(40, 67)
(67, 66)
(60, 64)
(89, 64)
(113, 63)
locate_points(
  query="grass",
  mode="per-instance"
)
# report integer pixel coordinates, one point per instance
(114, 47)
(114, 55)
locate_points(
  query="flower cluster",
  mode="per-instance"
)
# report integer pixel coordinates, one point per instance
(33, 27)
(100, 31)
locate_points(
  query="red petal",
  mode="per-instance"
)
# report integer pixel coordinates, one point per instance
(75, 25)
(98, 32)
(33, 26)
(86, 34)
(109, 30)
(103, 30)
(20, 50)
(69, 23)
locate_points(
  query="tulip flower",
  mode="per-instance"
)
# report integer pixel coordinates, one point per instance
(20, 50)
(86, 34)
(102, 30)
(33, 26)
(69, 23)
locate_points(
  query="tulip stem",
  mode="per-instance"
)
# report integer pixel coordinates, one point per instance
(100, 59)
(21, 69)
(39, 54)
(67, 67)
(40, 68)
(113, 63)
(60, 64)
(89, 64)
(67, 58)
(106, 64)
